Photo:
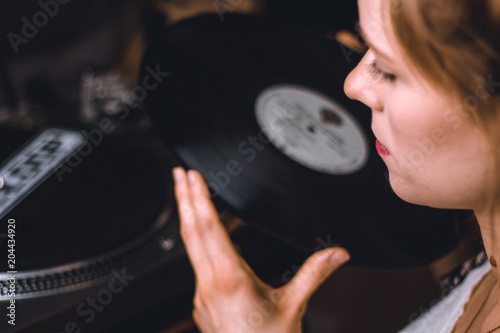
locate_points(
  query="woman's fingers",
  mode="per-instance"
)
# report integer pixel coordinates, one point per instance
(187, 219)
(227, 290)
(207, 241)
(313, 273)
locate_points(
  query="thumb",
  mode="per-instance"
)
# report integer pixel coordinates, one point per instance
(314, 272)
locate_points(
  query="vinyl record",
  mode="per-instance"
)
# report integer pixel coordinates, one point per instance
(258, 108)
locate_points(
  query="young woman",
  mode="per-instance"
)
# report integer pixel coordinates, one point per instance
(431, 74)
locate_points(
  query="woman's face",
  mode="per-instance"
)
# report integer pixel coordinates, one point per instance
(435, 155)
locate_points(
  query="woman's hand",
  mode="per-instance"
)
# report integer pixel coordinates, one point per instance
(229, 297)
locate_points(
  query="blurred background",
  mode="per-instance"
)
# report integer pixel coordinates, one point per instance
(43, 57)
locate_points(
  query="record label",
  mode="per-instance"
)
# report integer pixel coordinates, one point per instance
(312, 129)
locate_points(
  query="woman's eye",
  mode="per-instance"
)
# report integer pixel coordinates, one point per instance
(377, 72)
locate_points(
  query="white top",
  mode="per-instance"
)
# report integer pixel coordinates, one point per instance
(441, 318)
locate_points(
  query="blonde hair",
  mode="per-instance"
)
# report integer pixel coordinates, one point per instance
(455, 45)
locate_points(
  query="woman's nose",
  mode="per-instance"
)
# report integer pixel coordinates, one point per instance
(362, 86)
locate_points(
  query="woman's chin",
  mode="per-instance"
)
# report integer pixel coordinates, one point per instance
(418, 196)
(407, 192)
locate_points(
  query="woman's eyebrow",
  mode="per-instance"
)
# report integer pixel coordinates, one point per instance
(359, 30)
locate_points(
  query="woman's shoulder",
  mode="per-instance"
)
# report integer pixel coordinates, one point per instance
(456, 291)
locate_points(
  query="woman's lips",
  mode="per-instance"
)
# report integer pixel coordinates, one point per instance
(381, 149)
